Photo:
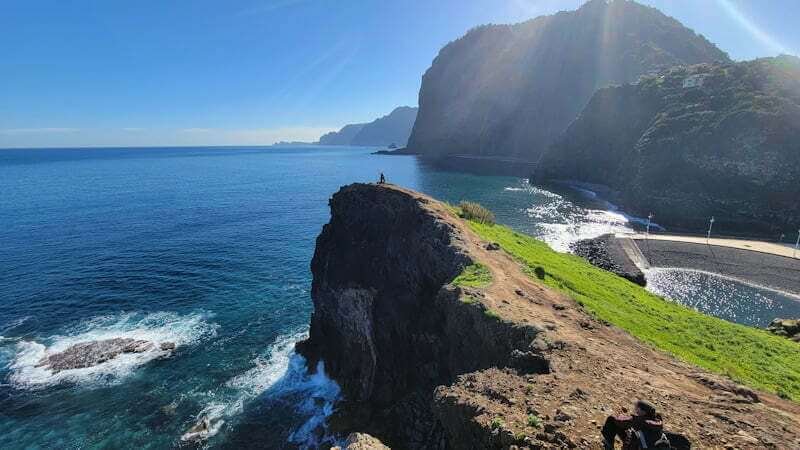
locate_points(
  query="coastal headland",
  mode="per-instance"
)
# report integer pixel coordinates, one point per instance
(449, 333)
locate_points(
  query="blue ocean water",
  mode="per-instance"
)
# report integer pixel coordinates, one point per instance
(208, 248)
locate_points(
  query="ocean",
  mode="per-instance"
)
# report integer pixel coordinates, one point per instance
(208, 248)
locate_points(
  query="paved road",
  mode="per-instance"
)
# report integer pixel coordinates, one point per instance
(745, 263)
(757, 246)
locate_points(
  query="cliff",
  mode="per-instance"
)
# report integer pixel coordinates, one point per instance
(432, 352)
(393, 128)
(511, 90)
(695, 141)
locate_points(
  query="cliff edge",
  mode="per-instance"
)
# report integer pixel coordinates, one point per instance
(429, 358)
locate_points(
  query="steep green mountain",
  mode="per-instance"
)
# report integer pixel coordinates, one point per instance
(695, 141)
(512, 89)
(393, 128)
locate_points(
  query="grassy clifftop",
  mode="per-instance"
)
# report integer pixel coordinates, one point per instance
(747, 355)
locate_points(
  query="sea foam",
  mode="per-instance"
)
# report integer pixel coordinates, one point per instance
(183, 330)
(279, 374)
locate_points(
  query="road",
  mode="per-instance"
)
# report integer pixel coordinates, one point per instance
(743, 244)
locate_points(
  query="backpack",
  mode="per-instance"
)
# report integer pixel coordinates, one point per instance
(650, 439)
(659, 440)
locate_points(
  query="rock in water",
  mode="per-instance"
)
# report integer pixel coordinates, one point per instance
(88, 354)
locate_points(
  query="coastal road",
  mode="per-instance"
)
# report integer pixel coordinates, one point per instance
(760, 263)
(756, 246)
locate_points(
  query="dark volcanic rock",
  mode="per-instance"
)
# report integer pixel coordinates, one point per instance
(789, 328)
(606, 253)
(693, 142)
(511, 90)
(88, 354)
(387, 324)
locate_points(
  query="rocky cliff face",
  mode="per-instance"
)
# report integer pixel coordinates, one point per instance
(393, 128)
(696, 141)
(512, 89)
(386, 322)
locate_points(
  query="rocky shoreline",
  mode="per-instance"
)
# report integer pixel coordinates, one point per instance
(606, 253)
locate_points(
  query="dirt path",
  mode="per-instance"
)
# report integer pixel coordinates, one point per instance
(599, 370)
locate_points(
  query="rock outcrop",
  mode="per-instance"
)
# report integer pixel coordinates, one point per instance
(693, 142)
(511, 90)
(423, 363)
(392, 129)
(361, 441)
(789, 328)
(89, 354)
(387, 323)
(606, 253)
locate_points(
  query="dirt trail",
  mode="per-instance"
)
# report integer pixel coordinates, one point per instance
(599, 370)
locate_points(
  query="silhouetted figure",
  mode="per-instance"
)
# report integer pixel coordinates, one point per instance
(644, 429)
(382, 180)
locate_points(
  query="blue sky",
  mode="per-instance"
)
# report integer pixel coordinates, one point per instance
(201, 72)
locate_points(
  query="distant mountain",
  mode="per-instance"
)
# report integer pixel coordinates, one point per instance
(512, 89)
(696, 141)
(391, 129)
(342, 137)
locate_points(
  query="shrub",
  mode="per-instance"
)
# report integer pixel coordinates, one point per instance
(476, 213)
(540, 273)
(534, 421)
(497, 422)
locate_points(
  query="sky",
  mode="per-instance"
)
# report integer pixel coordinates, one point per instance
(251, 72)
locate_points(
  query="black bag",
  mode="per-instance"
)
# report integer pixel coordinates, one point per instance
(678, 441)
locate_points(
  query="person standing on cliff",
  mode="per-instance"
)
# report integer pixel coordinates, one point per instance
(382, 179)
(643, 429)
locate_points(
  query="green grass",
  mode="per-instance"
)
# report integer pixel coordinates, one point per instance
(475, 275)
(534, 421)
(498, 422)
(747, 355)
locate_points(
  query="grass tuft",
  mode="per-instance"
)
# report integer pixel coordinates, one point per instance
(747, 355)
(475, 212)
(475, 275)
(497, 423)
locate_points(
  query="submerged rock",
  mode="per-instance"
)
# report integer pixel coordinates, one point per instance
(204, 428)
(167, 346)
(92, 353)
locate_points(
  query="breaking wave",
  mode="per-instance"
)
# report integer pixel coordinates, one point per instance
(183, 330)
(279, 374)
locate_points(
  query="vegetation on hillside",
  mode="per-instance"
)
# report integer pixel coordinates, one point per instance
(747, 355)
(690, 142)
(475, 212)
(475, 275)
